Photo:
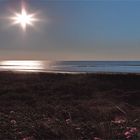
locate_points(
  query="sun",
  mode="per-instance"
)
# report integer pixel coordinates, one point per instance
(24, 19)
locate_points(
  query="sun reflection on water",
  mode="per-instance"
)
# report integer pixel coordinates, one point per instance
(22, 65)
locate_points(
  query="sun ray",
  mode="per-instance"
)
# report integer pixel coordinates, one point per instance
(24, 19)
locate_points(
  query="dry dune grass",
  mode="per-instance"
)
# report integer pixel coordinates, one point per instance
(40, 106)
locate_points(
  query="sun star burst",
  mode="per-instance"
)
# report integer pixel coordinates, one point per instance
(24, 19)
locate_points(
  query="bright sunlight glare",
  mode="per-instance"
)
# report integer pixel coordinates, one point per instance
(24, 19)
(22, 65)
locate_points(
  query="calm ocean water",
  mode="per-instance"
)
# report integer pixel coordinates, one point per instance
(72, 66)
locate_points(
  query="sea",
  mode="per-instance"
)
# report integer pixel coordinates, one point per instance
(71, 66)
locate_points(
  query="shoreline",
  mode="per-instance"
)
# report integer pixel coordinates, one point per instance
(69, 72)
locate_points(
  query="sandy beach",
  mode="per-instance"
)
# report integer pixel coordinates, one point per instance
(45, 106)
(69, 70)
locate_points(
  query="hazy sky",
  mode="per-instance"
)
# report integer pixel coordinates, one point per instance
(73, 30)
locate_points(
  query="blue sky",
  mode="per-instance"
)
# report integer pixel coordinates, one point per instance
(73, 30)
